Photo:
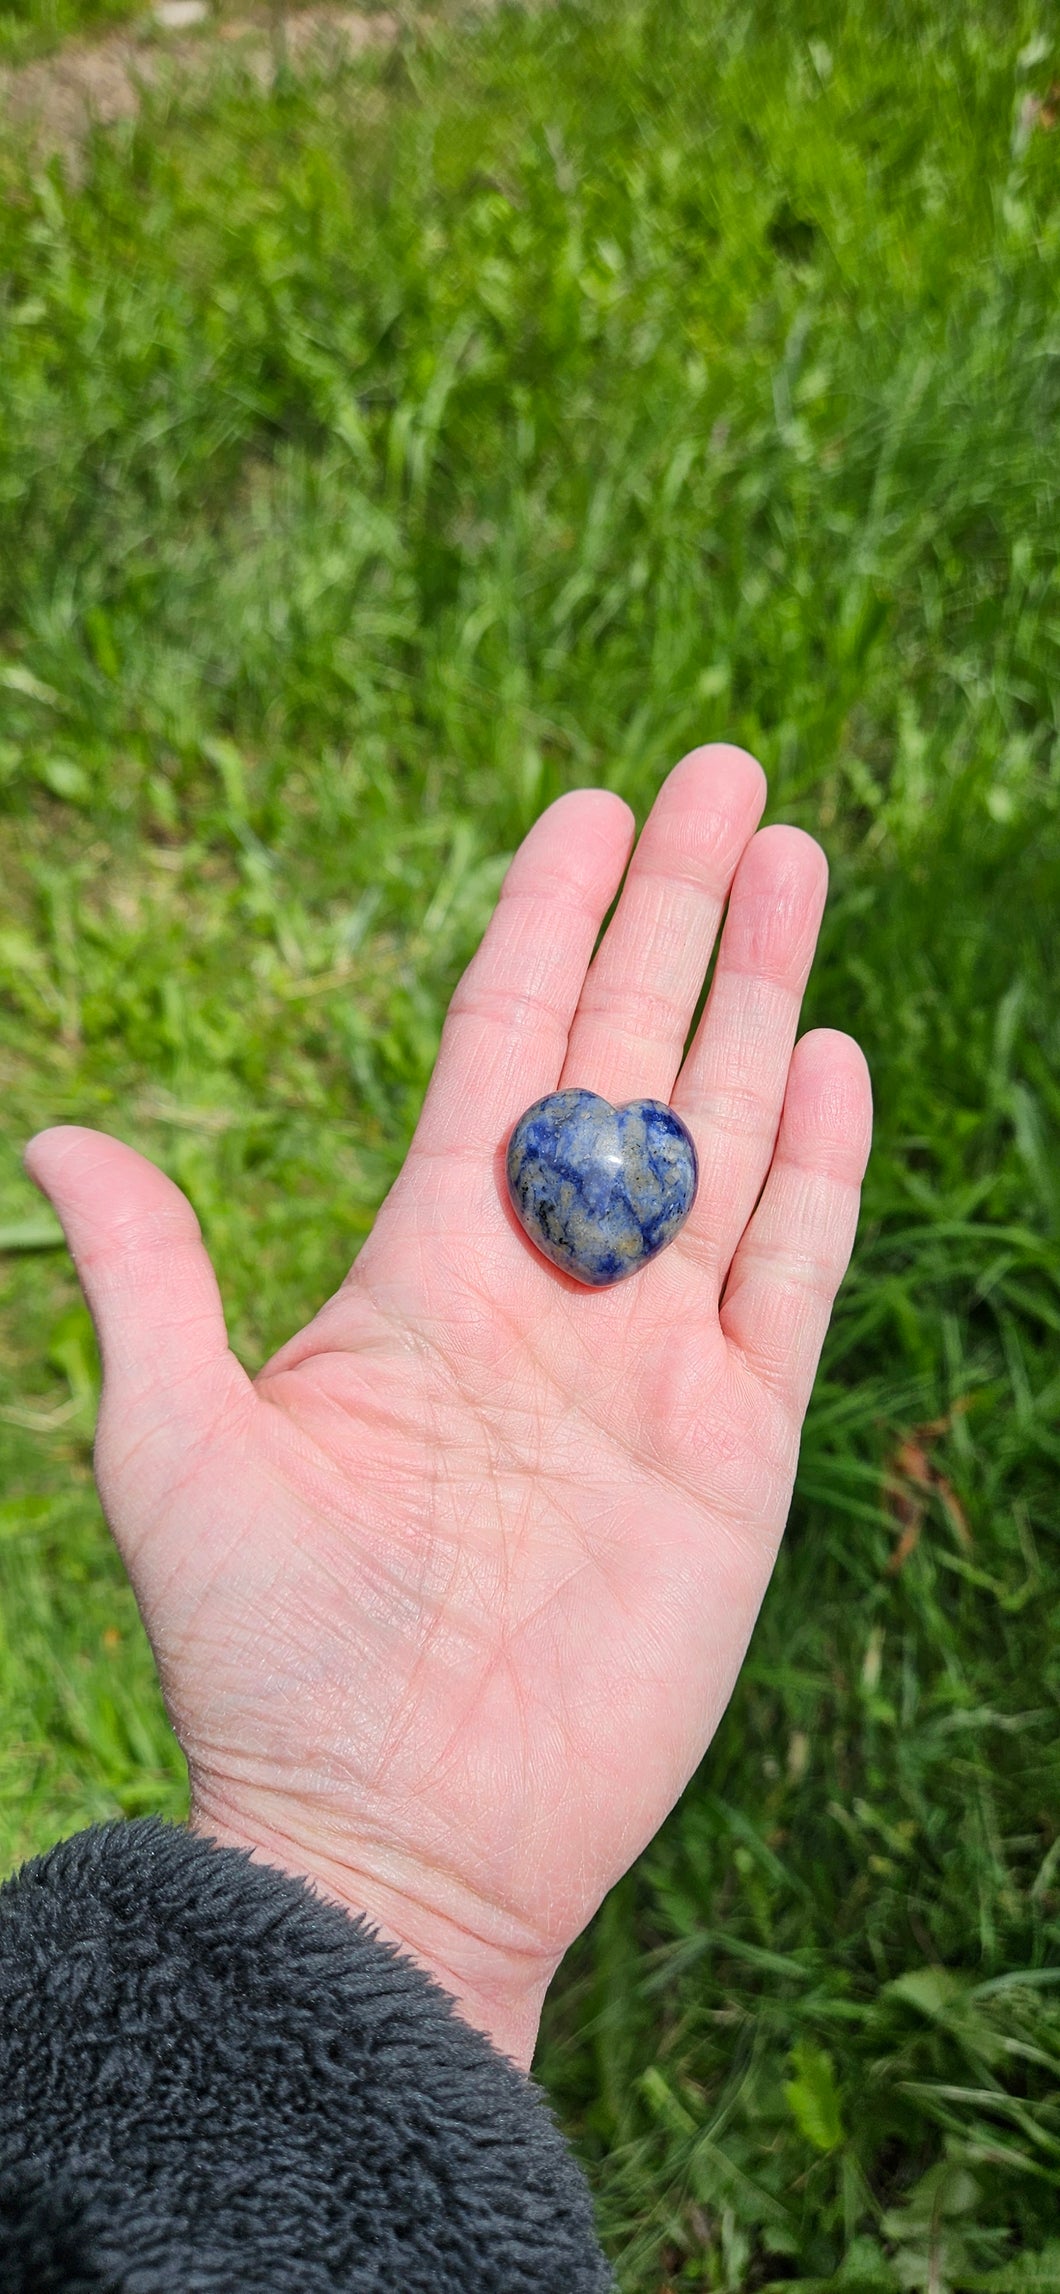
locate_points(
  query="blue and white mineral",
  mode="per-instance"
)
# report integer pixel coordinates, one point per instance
(600, 1190)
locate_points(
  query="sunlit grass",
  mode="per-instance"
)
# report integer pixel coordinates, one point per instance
(376, 461)
(33, 28)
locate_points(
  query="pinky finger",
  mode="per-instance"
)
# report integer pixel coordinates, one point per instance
(795, 1251)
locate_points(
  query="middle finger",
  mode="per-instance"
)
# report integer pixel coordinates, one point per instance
(731, 1088)
(643, 985)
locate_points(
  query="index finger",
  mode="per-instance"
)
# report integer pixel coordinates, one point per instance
(505, 1037)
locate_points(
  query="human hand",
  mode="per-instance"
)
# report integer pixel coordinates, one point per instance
(448, 1601)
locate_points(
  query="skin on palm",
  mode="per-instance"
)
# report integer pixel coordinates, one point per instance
(448, 1602)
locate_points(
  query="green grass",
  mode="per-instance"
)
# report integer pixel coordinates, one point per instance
(32, 28)
(376, 461)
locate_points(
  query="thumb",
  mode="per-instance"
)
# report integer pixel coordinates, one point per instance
(135, 1241)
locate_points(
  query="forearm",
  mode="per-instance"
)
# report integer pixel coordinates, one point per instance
(493, 1971)
(209, 2076)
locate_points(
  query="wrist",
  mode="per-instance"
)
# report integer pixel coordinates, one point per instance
(497, 1984)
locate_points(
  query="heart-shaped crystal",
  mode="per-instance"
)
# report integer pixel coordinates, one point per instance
(601, 1189)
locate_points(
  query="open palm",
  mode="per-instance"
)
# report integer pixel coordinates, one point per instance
(448, 1601)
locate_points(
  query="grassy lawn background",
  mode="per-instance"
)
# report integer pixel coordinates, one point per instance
(376, 460)
(32, 28)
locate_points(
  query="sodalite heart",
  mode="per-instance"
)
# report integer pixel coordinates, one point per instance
(601, 1189)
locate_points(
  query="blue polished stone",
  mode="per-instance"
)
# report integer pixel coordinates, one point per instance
(600, 1189)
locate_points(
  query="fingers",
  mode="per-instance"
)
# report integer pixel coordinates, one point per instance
(135, 1242)
(506, 1033)
(731, 1088)
(641, 993)
(794, 1255)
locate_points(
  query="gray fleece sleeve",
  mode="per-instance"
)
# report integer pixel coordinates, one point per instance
(212, 2079)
